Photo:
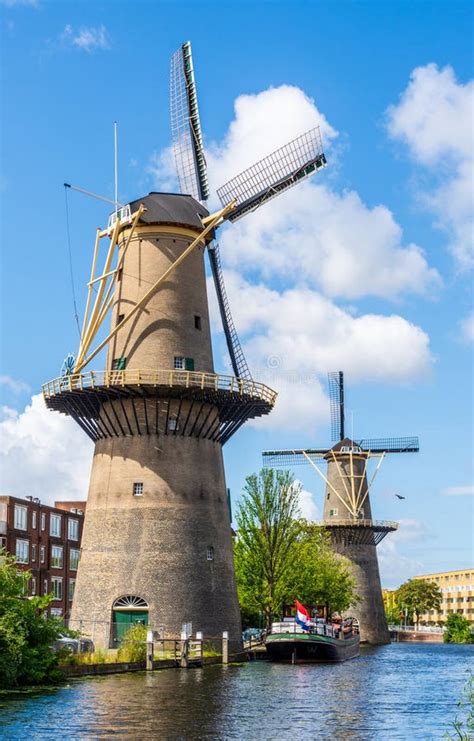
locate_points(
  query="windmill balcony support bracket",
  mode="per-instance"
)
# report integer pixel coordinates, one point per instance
(358, 532)
(135, 402)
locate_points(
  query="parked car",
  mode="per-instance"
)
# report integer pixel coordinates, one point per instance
(74, 645)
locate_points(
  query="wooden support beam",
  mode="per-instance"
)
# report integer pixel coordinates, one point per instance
(324, 478)
(373, 478)
(102, 303)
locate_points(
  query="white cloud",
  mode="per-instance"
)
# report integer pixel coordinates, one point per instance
(467, 328)
(434, 119)
(17, 387)
(43, 454)
(459, 491)
(86, 39)
(262, 123)
(293, 336)
(332, 240)
(308, 507)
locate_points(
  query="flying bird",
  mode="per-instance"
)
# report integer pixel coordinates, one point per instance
(400, 496)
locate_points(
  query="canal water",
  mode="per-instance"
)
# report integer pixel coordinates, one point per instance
(392, 692)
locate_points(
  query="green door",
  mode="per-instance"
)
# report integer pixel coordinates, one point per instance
(123, 619)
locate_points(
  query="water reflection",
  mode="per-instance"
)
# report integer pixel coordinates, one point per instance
(394, 692)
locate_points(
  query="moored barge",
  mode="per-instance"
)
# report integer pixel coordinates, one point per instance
(319, 642)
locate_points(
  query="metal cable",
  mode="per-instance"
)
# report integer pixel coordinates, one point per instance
(71, 272)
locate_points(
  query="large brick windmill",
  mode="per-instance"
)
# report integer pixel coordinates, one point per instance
(347, 512)
(157, 537)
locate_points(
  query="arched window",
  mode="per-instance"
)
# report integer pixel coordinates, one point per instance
(130, 602)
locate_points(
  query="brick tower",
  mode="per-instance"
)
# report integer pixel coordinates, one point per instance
(356, 538)
(347, 511)
(157, 543)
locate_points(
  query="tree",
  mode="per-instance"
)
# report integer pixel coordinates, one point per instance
(280, 557)
(267, 531)
(458, 629)
(26, 634)
(319, 576)
(419, 596)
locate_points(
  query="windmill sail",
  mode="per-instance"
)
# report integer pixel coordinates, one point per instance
(282, 458)
(186, 127)
(274, 174)
(237, 358)
(390, 444)
(336, 402)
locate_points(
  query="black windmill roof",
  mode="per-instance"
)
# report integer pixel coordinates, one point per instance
(346, 443)
(171, 208)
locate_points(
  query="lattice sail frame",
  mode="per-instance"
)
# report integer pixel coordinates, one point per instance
(186, 127)
(275, 173)
(336, 401)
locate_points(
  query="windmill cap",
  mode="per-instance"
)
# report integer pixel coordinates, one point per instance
(346, 443)
(171, 208)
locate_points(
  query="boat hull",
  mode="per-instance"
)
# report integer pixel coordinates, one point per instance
(311, 649)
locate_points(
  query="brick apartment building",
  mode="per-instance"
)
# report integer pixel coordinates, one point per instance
(46, 541)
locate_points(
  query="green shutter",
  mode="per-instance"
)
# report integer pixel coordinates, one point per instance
(189, 364)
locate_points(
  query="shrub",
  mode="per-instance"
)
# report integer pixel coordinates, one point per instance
(133, 646)
(26, 633)
(458, 629)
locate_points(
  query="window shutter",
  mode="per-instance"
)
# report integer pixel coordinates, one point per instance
(189, 364)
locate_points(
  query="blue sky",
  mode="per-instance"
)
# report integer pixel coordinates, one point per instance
(375, 251)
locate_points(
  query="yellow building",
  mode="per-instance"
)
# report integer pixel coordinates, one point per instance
(457, 589)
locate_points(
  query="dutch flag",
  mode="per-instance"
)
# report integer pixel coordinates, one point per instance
(302, 615)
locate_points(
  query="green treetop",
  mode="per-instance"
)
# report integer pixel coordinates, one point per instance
(279, 557)
(418, 596)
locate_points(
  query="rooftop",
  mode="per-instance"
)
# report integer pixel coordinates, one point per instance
(171, 208)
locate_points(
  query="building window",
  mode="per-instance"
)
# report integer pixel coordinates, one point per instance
(22, 551)
(138, 489)
(55, 526)
(119, 274)
(43, 521)
(45, 585)
(3, 542)
(210, 553)
(33, 552)
(33, 520)
(55, 612)
(73, 529)
(56, 556)
(173, 424)
(333, 513)
(72, 586)
(57, 587)
(74, 555)
(20, 517)
(119, 363)
(120, 318)
(197, 322)
(178, 362)
(33, 586)
(42, 553)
